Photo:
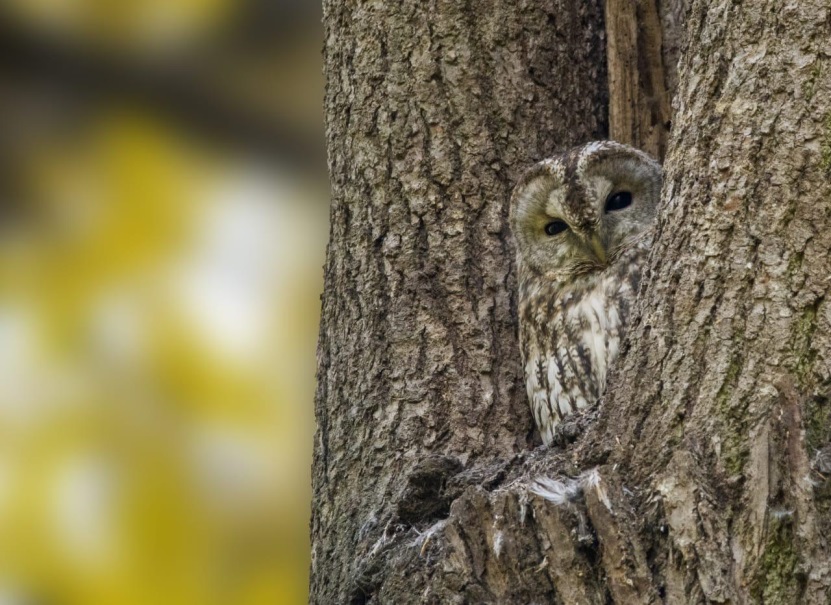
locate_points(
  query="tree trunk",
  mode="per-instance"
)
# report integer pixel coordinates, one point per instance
(723, 399)
(702, 476)
(433, 110)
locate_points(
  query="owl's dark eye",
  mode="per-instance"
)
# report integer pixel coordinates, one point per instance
(555, 227)
(618, 201)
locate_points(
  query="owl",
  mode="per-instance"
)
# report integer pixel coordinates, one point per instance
(582, 222)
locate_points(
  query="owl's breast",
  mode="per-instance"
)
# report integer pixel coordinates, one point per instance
(570, 341)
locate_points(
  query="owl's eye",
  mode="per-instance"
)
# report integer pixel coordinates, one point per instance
(618, 201)
(555, 227)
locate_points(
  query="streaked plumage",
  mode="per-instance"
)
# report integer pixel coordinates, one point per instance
(582, 223)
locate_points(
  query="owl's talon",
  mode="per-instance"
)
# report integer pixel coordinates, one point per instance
(566, 433)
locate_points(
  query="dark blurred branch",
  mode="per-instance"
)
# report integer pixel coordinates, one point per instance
(182, 90)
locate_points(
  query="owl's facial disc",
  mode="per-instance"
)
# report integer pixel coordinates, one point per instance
(580, 212)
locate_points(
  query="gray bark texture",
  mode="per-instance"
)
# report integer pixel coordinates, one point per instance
(722, 402)
(433, 111)
(702, 477)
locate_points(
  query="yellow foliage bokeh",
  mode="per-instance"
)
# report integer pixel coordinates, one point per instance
(155, 414)
(128, 25)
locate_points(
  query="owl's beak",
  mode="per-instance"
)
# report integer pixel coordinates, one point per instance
(597, 247)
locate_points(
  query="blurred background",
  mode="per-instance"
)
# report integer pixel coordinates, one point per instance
(163, 219)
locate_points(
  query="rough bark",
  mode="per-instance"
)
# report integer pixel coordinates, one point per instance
(433, 109)
(703, 475)
(722, 401)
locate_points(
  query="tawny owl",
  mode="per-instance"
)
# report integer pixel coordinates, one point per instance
(583, 225)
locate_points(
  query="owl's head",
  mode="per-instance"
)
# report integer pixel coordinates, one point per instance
(578, 212)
